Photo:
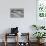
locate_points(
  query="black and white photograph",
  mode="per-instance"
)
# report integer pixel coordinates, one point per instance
(17, 13)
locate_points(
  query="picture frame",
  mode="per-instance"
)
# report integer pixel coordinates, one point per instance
(17, 12)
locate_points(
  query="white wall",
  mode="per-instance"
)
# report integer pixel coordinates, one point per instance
(23, 23)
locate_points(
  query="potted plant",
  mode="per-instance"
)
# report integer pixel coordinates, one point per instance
(39, 35)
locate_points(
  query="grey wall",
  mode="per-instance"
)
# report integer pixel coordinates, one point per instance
(23, 23)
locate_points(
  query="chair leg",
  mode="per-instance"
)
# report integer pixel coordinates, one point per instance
(17, 39)
(5, 43)
(5, 40)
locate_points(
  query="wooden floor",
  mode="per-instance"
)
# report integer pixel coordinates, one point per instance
(13, 44)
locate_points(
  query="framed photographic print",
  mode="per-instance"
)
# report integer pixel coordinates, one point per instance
(17, 12)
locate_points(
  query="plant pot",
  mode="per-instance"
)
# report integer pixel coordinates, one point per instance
(38, 40)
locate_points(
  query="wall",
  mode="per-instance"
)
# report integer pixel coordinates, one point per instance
(23, 23)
